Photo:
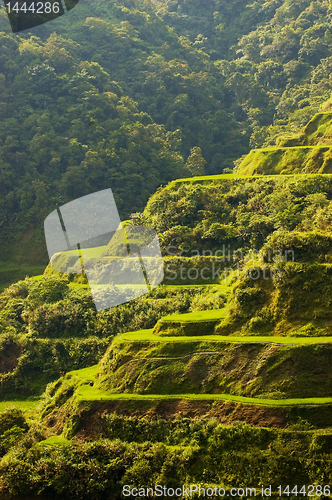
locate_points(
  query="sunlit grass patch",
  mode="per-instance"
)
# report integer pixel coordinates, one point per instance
(55, 441)
(149, 336)
(85, 373)
(88, 393)
(25, 405)
(197, 316)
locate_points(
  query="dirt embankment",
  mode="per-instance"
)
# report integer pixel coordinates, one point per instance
(226, 412)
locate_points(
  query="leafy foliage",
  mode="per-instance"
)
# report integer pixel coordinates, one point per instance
(207, 453)
(120, 102)
(237, 213)
(47, 326)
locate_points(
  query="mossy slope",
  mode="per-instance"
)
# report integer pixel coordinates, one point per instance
(309, 151)
(256, 370)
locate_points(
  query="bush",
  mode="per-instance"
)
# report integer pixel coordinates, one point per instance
(12, 417)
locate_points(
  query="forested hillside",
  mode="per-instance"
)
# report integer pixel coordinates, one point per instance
(114, 101)
(132, 94)
(221, 375)
(275, 55)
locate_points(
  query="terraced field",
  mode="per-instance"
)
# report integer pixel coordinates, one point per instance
(161, 334)
(149, 336)
(238, 175)
(181, 348)
(148, 340)
(89, 393)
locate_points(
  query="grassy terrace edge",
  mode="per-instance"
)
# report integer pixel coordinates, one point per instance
(88, 393)
(149, 336)
(236, 176)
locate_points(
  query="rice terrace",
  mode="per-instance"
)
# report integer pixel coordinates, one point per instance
(210, 127)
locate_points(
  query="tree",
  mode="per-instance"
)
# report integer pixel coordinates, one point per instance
(195, 163)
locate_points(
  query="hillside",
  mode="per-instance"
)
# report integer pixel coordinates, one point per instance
(181, 394)
(258, 245)
(259, 370)
(307, 152)
(220, 376)
(97, 100)
(121, 93)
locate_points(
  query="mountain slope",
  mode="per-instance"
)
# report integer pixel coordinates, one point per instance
(307, 152)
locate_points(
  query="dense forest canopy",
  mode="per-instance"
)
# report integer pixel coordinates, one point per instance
(132, 94)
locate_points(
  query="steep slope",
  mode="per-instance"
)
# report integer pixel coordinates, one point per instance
(102, 102)
(308, 152)
(49, 325)
(215, 73)
(263, 359)
(163, 392)
(254, 370)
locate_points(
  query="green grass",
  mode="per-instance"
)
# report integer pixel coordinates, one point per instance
(196, 316)
(91, 252)
(24, 405)
(277, 148)
(85, 373)
(224, 177)
(88, 393)
(38, 278)
(225, 288)
(94, 252)
(149, 336)
(11, 273)
(55, 441)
